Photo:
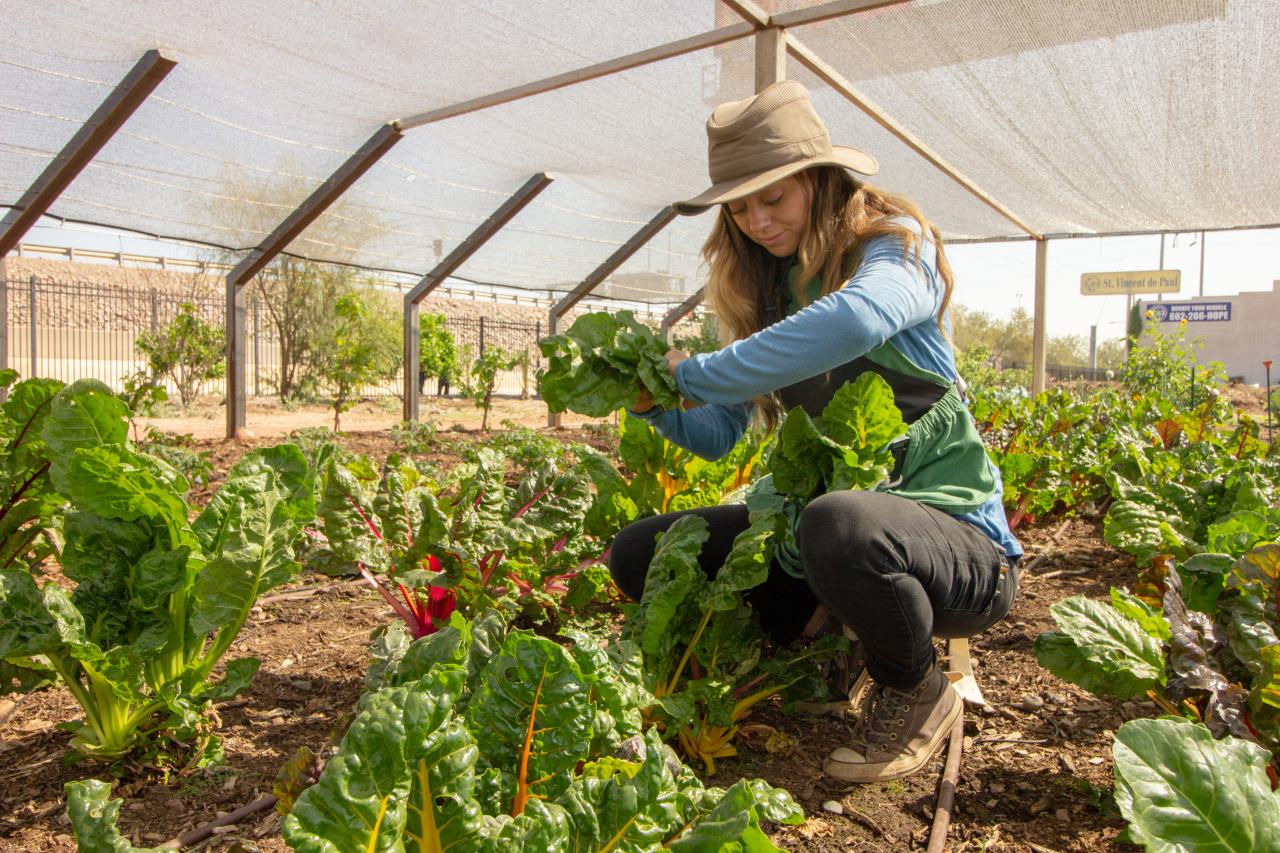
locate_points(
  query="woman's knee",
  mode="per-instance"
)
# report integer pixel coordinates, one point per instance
(844, 532)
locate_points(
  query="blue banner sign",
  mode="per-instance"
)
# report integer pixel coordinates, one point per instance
(1192, 312)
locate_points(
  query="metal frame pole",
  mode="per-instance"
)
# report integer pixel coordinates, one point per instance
(1038, 339)
(477, 238)
(109, 117)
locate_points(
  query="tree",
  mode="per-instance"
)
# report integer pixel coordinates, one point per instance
(437, 351)
(189, 352)
(300, 297)
(362, 347)
(485, 372)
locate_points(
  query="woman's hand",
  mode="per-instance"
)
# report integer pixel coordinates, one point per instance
(674, 357)
(644, 402)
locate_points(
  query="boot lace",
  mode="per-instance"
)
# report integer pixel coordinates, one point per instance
(882, 714)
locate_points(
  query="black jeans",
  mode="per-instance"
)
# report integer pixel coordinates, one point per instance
(895, 571)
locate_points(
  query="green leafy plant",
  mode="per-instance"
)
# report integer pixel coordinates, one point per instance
(437, 350)
(485, 371)
(158, 599)
(188, 352)
(361, 348)
(602, 363)
(1181, 789)
(495, 743)
(415, 437)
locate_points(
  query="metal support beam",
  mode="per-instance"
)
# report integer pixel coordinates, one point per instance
(827, 11)
(124, 99)
(1038, 331)
(580, 75)
(684, 309)
(835, 80)
(445, 268)
(600, 273)
(275, 243)
(771, 57)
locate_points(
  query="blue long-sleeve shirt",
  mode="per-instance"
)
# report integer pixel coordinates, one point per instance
(888, 298)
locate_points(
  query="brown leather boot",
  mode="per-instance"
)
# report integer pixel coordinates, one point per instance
(900, 731)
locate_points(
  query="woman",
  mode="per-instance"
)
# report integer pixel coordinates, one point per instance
(816, 277)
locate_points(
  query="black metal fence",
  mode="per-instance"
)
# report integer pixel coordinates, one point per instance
(71, 330)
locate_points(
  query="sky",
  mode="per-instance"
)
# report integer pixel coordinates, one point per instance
(990, 277)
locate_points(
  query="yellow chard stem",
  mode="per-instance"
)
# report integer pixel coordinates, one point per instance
(688, 652)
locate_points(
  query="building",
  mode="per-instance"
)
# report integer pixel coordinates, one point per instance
(1241, 331)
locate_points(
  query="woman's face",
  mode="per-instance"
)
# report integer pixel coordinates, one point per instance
(777, 216)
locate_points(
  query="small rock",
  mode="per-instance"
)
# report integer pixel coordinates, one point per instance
(1057, 698)
(1022, 626)
(1039, 805)
(1062, 815)
(286, 662)
(1031, 703)
(178, 807)
(301, 684)
(833, 807)
(1025, 787)
(1067, 764)
(1096, 760)
(1129, 708)
(996, 788)
(153, 836)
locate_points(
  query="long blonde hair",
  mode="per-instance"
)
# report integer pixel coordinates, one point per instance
(747, 286)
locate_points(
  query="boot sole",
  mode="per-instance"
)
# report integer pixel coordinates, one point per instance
(865, 773)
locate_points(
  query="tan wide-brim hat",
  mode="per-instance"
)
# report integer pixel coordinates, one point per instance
(754, 142)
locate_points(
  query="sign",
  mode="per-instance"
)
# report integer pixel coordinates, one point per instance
(1192, 312)
(1142, 281)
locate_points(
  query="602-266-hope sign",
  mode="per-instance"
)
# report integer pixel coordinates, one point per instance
(1192, 312)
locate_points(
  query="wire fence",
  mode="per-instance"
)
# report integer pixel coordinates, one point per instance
(69, 330)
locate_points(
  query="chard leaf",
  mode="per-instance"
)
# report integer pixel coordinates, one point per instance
(116, 483)
(730, 820)
(748, 562)
(1144, 530)
(796, 461)
(624, 811)
(94, 816)
(405, 773)
(602, 362)
(248, 531)
(27, 628)
(1181, 790)
(346, 518)
(612, 508)
(1240, 531)
(531, 716)
(239, 673)
(1204, 576)
(83, 415)
(1139, 611)
(1103, 651)
(674, 577)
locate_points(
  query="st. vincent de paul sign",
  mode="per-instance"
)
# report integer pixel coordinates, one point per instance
(1120, 283)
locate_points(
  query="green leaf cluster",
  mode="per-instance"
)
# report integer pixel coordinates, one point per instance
(846, 447)
(158, 599)
(602, 363)
(476, 741)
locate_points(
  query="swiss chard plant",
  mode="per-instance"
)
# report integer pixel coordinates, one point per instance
(157, 599)
(602, 363)
(42, 422)
(703, 650)
(1216, 670)
(702, 647)
(468, 545)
